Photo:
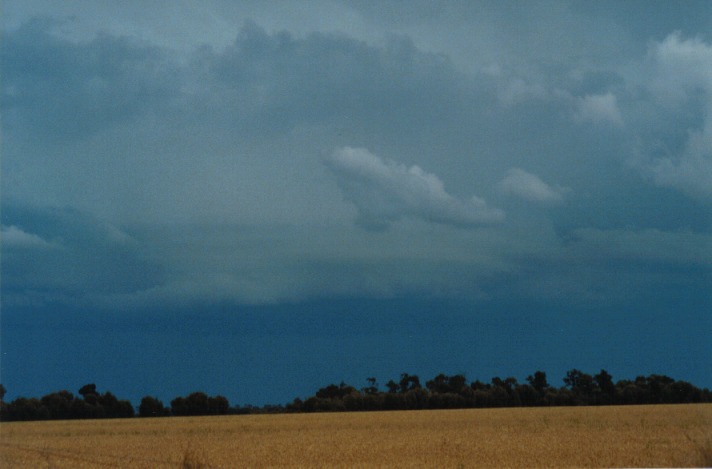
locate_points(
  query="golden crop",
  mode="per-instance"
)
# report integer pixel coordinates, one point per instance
(635, 436)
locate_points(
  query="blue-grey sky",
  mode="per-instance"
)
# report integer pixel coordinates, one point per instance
(164, 162)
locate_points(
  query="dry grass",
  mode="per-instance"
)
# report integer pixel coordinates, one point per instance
(641, 436)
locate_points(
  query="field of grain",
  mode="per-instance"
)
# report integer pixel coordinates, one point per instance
(640, 436)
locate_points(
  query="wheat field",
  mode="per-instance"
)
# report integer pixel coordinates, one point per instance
(636, 436)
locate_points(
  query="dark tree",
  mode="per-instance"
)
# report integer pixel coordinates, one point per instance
(218, 405)
(606, 388)
(372, 387)
(179, 406)
(199, 403)
(152, 407)
(408, 383)
(572, 378)
(88, 389)
(538, 381)
(447, 384)
(333, 391)
(26, 409)
(3, 391)
(392, 387)
(59, 405)
(115, 408)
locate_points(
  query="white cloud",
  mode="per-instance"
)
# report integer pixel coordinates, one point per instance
(385, 191)
(12, 236)
(520, 183)
(680, 66)
(681, 86)
(599, 109)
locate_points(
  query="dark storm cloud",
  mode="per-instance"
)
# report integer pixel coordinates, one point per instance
(63, 256)
(208, 160)
(63, 90)
(274, 82)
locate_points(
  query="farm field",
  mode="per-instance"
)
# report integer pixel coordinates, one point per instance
(634, 436)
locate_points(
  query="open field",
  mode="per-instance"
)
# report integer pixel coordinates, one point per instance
(670, 435)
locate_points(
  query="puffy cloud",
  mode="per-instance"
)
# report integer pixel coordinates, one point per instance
(520, 183)
(13, 236)
(680, 85)
(386, 191)
(599, 109)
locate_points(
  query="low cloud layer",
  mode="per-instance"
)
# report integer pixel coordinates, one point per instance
(520, 183)
(138, 172)
(385, 191)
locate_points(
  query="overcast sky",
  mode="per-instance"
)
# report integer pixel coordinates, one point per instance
(171, 154)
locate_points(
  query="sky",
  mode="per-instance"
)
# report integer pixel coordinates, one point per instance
(257, 199)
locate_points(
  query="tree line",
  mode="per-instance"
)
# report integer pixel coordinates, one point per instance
(407, 393)
(90, 404)
(455, 392)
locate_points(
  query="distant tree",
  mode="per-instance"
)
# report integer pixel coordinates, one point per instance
(152, 407)
(392, 387)
(417, 398)
(582, 386)
(373, 401)
(26, 409)
(115, 408)
(297, 405)
(528, 396)
(199, 403)
(478, 385)
(606, 388)
(179, 406)
(3, 406)
(218, 405)
(90, 394)
(88, 389)
(447, 384)
(354, 401)
(333, 391)
(685, 392)
(538, 381)
(439, 384)
(458, 383)
(59, 405)
(572, 378)
(372, 387)
(498, 396)
(393, 401)
(510, 383)
(81, 409)
(658, 388)
(408, 383)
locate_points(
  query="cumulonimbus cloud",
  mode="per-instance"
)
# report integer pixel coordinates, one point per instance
(520, 183)
(682, 73)
(384, 191)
